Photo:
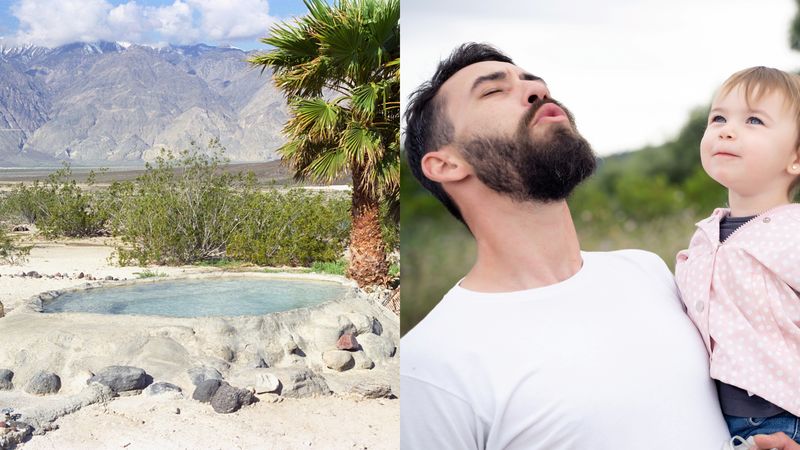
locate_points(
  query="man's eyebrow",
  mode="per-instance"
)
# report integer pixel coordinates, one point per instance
(501, 75)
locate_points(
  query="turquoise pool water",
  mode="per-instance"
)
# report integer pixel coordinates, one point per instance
(199, 297)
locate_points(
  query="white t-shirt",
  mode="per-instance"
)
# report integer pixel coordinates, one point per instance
(604, 360)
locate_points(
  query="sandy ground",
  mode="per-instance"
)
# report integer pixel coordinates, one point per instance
(142, 422)
(151, 422)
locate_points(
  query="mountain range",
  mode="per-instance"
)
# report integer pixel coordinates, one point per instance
(120, 103)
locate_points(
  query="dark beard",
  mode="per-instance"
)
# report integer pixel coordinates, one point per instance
(544, 170)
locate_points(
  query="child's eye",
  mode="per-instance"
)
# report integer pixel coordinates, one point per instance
(754, 121)
(493, 91)
(717, 119)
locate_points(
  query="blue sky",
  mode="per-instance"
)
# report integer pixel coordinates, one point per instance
(155, 22)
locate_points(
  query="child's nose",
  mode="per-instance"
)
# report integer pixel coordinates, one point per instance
(727, 133)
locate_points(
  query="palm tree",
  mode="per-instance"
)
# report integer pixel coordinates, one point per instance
(339, 67)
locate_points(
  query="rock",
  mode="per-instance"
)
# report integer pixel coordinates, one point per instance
(122, 378)
(339, 360)
(247, 396)
(266, 382)
(20, 228)
(49, 295)
(33, 274)
(206, 390)
(229, 399)
(300, 383)
(372, 390)
(109, 278)
(176, 410)
(345, 325)
(5, 380)
(2, 310)
(377, 347)
(261, 380)
(203, 373)
(347, 342)
(377, 327)
(362, 322)
(43, 383)
(362, 361)
(162, 387)
(326, 336)
(81, 275)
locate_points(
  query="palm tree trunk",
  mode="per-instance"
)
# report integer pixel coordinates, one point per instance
(368, 265)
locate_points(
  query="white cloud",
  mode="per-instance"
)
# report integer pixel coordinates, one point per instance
(174, 22)
(57, 22)
(49, 22)
(629, 71)
(233, 19)
(128, 20)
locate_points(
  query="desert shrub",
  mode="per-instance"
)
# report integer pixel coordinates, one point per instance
(22, 203)
(181, 210)
(58, 206)
(10, 252)
(295, 227)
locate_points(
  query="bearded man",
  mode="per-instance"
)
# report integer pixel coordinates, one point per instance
(540, 345)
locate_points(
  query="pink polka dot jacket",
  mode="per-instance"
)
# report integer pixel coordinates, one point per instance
(742, 296)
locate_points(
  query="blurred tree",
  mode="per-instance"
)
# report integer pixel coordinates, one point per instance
(794, 29)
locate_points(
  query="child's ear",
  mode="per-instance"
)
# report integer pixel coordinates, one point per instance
(794, 166)
(445, 165)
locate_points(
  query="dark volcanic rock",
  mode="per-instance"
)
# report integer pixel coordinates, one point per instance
(229, 399)
(122, 378)
(43, 383)
(206, 390)
(5, 379)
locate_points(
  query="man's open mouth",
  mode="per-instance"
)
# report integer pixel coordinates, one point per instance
(548, 112)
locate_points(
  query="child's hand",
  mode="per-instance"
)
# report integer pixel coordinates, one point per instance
(778, 441)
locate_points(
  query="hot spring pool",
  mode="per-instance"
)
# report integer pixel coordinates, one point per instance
(199, 297)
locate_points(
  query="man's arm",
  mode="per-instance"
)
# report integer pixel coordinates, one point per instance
(778, 441)
(432, 418)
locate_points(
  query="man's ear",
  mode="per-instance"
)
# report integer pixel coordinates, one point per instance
(444, 165)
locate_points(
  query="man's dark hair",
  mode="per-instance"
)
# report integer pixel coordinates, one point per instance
(427, 126)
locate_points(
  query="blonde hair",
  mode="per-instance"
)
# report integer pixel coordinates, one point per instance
(760, 81)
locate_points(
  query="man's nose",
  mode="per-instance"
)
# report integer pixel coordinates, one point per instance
(534, 91)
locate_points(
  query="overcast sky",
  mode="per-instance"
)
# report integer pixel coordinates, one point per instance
(51, 23)
(629, 71)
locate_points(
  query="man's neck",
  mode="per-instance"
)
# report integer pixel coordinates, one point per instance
(522, 246)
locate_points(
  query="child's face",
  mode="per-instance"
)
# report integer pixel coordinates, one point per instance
(751, 150)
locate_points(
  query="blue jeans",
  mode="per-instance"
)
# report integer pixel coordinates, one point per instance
(750, 426)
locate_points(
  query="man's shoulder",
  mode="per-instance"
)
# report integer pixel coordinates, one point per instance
(641, 259)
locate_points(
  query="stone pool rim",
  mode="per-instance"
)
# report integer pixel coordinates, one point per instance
(35, 303)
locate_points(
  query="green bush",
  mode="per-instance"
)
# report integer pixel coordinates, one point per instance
(58, 206)
(181, 210)
(292, 228)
